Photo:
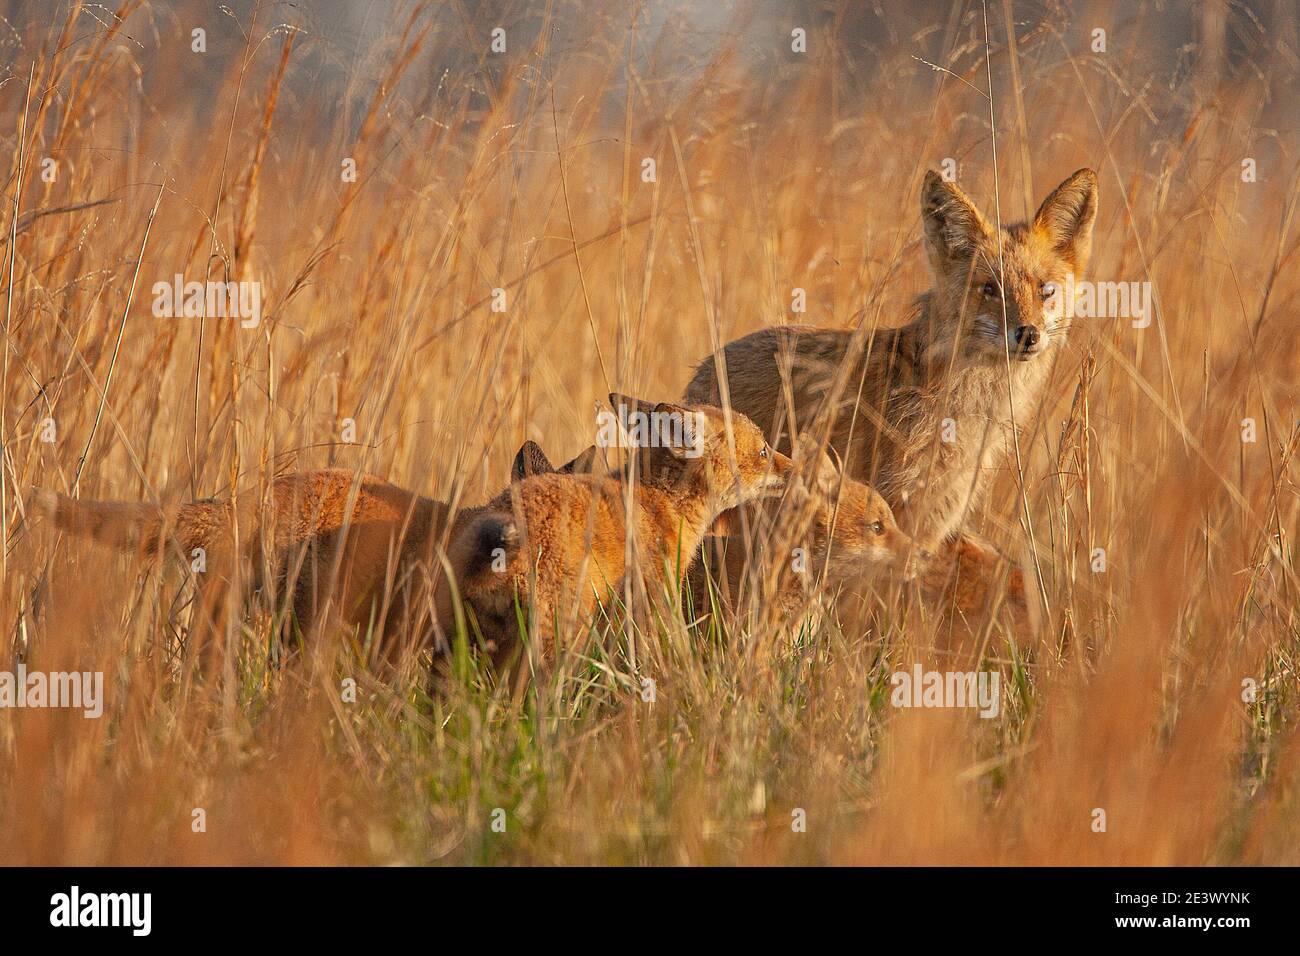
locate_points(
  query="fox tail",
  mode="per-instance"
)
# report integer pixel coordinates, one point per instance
(127, 525)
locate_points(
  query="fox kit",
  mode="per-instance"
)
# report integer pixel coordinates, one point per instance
(366, 542)
(848, 533)
(924, 412)
(563, 541)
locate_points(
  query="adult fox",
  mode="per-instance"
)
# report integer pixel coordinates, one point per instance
(924, 412)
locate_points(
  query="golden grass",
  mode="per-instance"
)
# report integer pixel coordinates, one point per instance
(523, 171)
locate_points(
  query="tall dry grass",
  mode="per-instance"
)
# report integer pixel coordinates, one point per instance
(523, 171)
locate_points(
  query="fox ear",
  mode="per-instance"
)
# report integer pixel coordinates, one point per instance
(530, 460)
(625, 405)
(628, 410)
(584, 464)
(804, 445)
(826, 477)
(1066, 216)
(675, 428)
(828, 474)
(678, 429)
(952, 223)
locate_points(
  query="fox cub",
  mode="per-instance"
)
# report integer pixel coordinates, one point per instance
(843, 530)
(924, 412)
(836, 531)
(567, 539)
(366, 543)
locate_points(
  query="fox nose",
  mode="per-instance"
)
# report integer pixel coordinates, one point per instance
(1027, 337)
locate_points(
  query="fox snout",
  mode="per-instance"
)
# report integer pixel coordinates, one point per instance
(768, 481)
(778, 474)
(782, 468)
(1027, 338)
(912, 559)
(1028, 341)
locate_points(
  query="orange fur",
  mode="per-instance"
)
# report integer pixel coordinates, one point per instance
(844, 532)
(566, 539)
(362, 544)
(968, 576)
(921, 412)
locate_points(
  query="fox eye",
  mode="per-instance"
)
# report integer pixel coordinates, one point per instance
(991, 290)
(1047, 290)
(878, 527)
(762, 453)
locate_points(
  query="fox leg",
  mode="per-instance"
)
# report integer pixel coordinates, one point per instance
(301, 567)
(404, 613)
(210, 616)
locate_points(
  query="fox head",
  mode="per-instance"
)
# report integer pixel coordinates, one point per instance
(692, 446)
(855, 534)
(1000, 293)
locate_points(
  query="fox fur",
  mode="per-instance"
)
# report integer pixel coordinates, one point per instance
(833, 531)
(368, 545)
(568, 539)
(926, 411)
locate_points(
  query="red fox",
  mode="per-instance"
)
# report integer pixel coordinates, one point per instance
(844, 531)
(924, 412)
(840, 530)
(565, 539)
(368, 544)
